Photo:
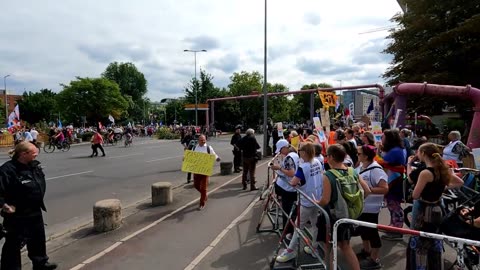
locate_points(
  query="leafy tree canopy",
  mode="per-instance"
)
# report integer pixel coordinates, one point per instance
(38, 106)
(95, 98)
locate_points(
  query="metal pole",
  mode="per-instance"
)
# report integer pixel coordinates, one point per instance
(196, 95)
(265, 104)
(6, 106)
(196, 90)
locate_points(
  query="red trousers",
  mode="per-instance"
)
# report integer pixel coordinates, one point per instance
(200, 182)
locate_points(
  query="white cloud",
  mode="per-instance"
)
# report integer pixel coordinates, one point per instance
(308, 42)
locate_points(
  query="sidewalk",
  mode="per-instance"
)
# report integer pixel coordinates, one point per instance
(178, 236)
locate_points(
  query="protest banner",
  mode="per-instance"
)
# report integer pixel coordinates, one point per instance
(198, 163)
(327, 98)
(377, 131)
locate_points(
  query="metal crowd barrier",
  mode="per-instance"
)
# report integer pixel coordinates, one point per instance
(460, 241)
(6, 140)
(267, 211)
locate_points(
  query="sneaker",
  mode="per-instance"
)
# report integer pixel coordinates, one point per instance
(392, 236)
(286, 255)
(309, 251)
(201, 207)
(362, 255)
(370, 264)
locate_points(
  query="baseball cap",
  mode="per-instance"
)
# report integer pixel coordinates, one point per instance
(280, 144)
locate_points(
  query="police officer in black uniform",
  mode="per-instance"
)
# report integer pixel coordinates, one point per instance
(22, 188)
(237, 153)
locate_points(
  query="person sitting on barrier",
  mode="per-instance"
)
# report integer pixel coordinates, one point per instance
(308, 178)
(376, 179)
(336, 154)
(285, 173)
(427, 215)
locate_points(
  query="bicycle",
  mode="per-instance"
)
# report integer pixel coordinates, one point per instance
(51, 146)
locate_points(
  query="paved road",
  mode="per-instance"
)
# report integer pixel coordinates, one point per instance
(75, 181)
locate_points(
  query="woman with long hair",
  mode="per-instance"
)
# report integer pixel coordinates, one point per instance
(393, 159)
(425, 253)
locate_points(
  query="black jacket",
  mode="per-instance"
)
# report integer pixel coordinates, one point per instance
(22, 186)
(235, 139)
(249, 146)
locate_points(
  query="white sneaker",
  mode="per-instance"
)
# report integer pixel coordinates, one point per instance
(286, 255)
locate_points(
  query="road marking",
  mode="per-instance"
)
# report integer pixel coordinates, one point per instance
(158, 159)
(219, 237)
(139, 154)
(206, 251)
(66, 175)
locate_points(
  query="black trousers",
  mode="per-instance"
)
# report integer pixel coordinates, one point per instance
(288, 199)
(237, 159)
(20, 231)
(95, 147)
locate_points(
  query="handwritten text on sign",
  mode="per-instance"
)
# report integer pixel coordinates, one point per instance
(328, 98)
(199, 163)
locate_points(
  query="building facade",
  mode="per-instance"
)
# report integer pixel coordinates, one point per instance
(11, 100)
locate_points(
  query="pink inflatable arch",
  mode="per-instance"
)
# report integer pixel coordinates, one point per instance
(401, 90)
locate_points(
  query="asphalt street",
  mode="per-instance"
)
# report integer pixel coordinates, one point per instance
(75, 181)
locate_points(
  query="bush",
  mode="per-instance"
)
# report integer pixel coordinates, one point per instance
(166, 134)
(87, 136)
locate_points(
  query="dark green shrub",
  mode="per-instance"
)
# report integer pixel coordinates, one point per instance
(166, 134)
(87, 136)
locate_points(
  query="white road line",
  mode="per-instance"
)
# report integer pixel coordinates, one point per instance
(139, 154)
(158, 159)
(66, 175)
(219, 237)
(205, 252)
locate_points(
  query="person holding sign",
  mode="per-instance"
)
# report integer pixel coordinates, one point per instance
(200, 182)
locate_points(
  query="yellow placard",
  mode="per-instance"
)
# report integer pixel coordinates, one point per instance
(327, 98)
(295, 141)
(197, 162)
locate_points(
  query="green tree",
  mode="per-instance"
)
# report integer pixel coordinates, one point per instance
(38, 106)
(303, 100)
(132, 84)
(95, 98)
(436, 42)
(204, 89)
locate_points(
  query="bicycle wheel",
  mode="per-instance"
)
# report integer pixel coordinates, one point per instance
(65, 147)
(49, 148)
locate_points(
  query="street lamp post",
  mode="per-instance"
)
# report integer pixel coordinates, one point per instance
(265, 104)
(6, 106)
(196, 90)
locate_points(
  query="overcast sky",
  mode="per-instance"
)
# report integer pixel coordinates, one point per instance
(48, 43)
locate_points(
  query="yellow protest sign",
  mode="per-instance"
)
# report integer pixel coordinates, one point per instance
(327, 98)
(199, 163)
(295, 141)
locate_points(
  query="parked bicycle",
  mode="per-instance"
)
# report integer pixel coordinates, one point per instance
(51, 146)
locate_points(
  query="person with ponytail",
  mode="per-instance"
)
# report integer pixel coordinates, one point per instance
(425, 253)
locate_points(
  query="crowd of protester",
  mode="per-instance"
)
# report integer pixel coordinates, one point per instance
(380, 167)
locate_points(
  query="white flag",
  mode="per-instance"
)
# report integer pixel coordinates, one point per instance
(17, 112)
(110, 117)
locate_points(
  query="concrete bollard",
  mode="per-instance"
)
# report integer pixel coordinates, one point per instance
(162, 193)
(107, 215)
(226, 168)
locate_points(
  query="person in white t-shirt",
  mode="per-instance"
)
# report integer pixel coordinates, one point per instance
(200, 182)
(376, 179)
(34, 134)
